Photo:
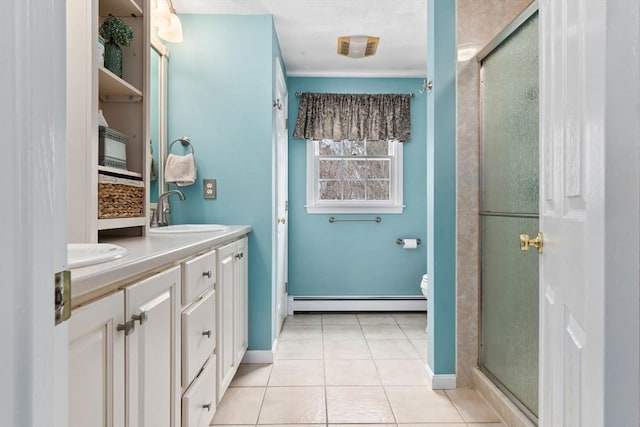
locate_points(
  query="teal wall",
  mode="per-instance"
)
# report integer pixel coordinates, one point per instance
(441, 186)
(220, 94)
(358, 258)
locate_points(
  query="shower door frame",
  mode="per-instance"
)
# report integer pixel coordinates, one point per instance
(495, 43)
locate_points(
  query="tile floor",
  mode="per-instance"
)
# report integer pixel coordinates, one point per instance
(337, 369)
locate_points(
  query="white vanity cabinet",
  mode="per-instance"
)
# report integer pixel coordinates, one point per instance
(146, 350)
(124, 359)
(199, 340)
(232, 311)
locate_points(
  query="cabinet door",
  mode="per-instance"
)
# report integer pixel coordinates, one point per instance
(241, 302)
(153, 351)
(225, 309)
(96, 364)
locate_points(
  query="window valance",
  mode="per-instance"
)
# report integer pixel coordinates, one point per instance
(354, 117)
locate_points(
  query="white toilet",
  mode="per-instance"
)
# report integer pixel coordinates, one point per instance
(423, 285)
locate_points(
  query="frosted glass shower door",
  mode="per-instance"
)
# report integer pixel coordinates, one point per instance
(509, 309)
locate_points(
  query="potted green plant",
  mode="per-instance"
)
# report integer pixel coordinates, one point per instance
(116, 33)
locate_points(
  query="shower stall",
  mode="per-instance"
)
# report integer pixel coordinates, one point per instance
(509, 208)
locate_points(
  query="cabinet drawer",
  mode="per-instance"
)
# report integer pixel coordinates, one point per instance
(199, 401)
(198, 336)
(198, 275)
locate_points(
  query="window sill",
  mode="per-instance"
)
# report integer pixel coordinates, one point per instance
(354, 210)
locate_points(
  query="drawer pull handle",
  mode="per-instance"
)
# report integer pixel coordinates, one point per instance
(207, 334)
(240, 255)
(207, 273)
(207, 407)
(142, 317)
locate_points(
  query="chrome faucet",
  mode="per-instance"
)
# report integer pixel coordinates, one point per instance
(161, 213)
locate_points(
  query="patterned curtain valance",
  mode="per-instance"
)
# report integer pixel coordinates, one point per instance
(356, 117)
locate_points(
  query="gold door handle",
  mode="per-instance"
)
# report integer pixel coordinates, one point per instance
(526, 242)
(281, 220)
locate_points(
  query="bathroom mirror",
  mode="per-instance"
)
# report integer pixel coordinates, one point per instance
(158, 66)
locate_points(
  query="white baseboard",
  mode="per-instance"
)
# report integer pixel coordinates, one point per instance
(289, 306)
(359, 303)
(441, 381)
(261, 356)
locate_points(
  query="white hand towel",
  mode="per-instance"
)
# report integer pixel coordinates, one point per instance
(180, 170)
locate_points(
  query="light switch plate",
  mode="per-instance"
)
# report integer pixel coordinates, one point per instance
(209, 188)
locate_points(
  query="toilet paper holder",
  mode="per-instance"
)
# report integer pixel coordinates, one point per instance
(401, 241)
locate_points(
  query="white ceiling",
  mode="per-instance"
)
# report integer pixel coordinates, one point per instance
(308, 31)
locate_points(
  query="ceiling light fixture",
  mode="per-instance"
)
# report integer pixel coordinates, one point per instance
(160, 14)
(172, 32)
(357, 46)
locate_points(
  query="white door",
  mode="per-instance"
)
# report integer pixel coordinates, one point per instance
(589, 212)
(33, 217)
(282, 195)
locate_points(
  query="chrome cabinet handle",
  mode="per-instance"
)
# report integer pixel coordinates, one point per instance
(207, 334)
(127, 327)
(142, 317)
(207, 273)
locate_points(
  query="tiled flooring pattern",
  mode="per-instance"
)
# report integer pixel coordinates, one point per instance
(336, 369)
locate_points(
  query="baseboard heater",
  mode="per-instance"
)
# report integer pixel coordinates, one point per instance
(356, 303)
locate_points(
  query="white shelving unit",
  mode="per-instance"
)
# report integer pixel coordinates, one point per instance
(125, 107)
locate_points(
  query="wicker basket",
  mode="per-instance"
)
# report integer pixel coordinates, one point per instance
(119, 197)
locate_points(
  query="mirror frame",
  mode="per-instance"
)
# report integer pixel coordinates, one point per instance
(162, 50)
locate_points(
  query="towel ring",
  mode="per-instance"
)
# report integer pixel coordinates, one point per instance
(185, 141)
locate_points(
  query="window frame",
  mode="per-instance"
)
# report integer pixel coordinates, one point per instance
(392, 206)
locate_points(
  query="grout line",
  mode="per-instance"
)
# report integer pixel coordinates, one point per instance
(264, 395)
(324, 370)
(455, 406)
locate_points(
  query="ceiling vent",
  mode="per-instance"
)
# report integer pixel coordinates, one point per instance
(357, 46)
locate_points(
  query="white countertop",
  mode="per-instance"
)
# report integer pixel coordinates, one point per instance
(146, 255)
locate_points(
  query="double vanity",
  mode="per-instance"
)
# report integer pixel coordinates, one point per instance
(157, 333)
(158, 320)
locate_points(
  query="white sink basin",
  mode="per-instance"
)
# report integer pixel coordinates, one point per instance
(85, 254)
(189, 228)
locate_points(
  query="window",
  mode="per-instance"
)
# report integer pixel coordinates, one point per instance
(354, 176)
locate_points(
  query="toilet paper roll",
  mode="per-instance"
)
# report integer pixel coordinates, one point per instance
(409, 243)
